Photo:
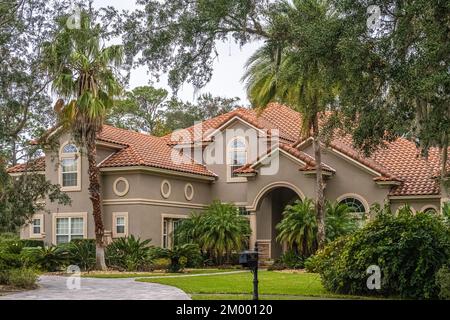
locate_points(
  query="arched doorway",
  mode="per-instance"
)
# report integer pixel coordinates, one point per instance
(269, 212)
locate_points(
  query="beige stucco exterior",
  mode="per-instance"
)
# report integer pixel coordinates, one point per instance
(144, 197)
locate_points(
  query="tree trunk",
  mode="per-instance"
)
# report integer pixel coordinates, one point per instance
(94, 194)
(444, 157)
(320, 212)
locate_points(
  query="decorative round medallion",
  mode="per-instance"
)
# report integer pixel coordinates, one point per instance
(166, 188)
(121, 186)
(189, 191)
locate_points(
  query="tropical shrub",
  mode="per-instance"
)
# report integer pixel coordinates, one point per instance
(339, 221)
(288, 260)
(179, 255)
(31, 243)
(443, 282)
(129, 253)
(81, 252)
(160, 264)
(219, 231)
(50, 259)
(298, 228)
(10, 261)
(408, 248)
(22, 278)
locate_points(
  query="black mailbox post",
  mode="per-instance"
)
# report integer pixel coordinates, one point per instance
(249, 259)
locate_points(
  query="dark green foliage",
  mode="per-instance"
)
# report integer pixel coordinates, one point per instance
(81, 252)
(49, 259)
(298, 228)
(288, 260)
(179, 255)
(339, 221)
(24, 278)
(408, 248)
(129, 254)
(218, 231)
(443, 282)
(31, 243)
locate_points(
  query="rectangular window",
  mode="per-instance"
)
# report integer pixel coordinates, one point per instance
(68, 229)
(36, 226)
(69, 172)
(120, 224)
(169, 227)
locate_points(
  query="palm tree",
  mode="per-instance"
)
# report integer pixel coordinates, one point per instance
(301, 73)
(340, 220)
(298, 228)
(220, 230)
(84, 76)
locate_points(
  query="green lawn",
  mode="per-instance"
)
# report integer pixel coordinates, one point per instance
(116, 275)
(272, 285)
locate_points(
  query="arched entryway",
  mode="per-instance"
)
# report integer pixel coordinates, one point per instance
(269, 207)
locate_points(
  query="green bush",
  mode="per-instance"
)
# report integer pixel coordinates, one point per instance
(129, 254)
(31, 243)
(288, 260)
(408, 248)
(22, 278)
(10, 261)
(179, 255)
(160, 264)
(443, 282)
(49, 259)
(218, 231)
(81, 252)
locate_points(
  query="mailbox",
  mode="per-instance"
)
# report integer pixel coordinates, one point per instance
(248, 259)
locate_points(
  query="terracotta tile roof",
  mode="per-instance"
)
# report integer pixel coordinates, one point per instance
(145, 150)
(37, 164)
(310, 163)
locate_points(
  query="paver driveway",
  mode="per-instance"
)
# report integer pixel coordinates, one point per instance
(54, 288)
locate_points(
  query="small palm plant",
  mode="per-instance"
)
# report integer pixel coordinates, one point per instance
(179, 255)
(298, 228)
(340, 220)
(129, 253)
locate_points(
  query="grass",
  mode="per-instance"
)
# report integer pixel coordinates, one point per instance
(272, 285)
(117, 275)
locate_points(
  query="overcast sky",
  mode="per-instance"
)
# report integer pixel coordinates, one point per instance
(228, 68)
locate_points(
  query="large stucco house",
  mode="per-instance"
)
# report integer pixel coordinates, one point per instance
(259, 164)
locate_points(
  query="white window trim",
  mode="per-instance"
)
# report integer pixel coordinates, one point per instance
(188, 196)
(231, 179)
(40, 235)
(356, 196)
(164, 194)
(169, 216)
(75, 156)
(429, 206)
(69, 215)
(124, 192)
(116, 215)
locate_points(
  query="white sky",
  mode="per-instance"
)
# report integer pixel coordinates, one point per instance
(228, 68)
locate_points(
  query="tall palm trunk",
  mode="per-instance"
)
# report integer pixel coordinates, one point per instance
(94, 194)
(320, 212)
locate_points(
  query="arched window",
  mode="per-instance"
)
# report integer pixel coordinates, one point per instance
(355, 205)
(237, 154)
(70, 168)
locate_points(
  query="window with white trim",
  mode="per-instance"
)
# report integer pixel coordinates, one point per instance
(120, 224)
(237, 154)
(70, 167)
(169, 227)
(355, 205)
(36, 226)
(68, 229)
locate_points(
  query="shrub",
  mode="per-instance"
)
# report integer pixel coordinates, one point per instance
(22, 278)
(288, 260)
(219, 231)
(178, 256)
(409, 249)
(298, 228)
(129, 254)
(339, 221)
(31, 243)
(160, 264)
(81, 252)
(10, 261)
(47, 258)
(443, 282)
